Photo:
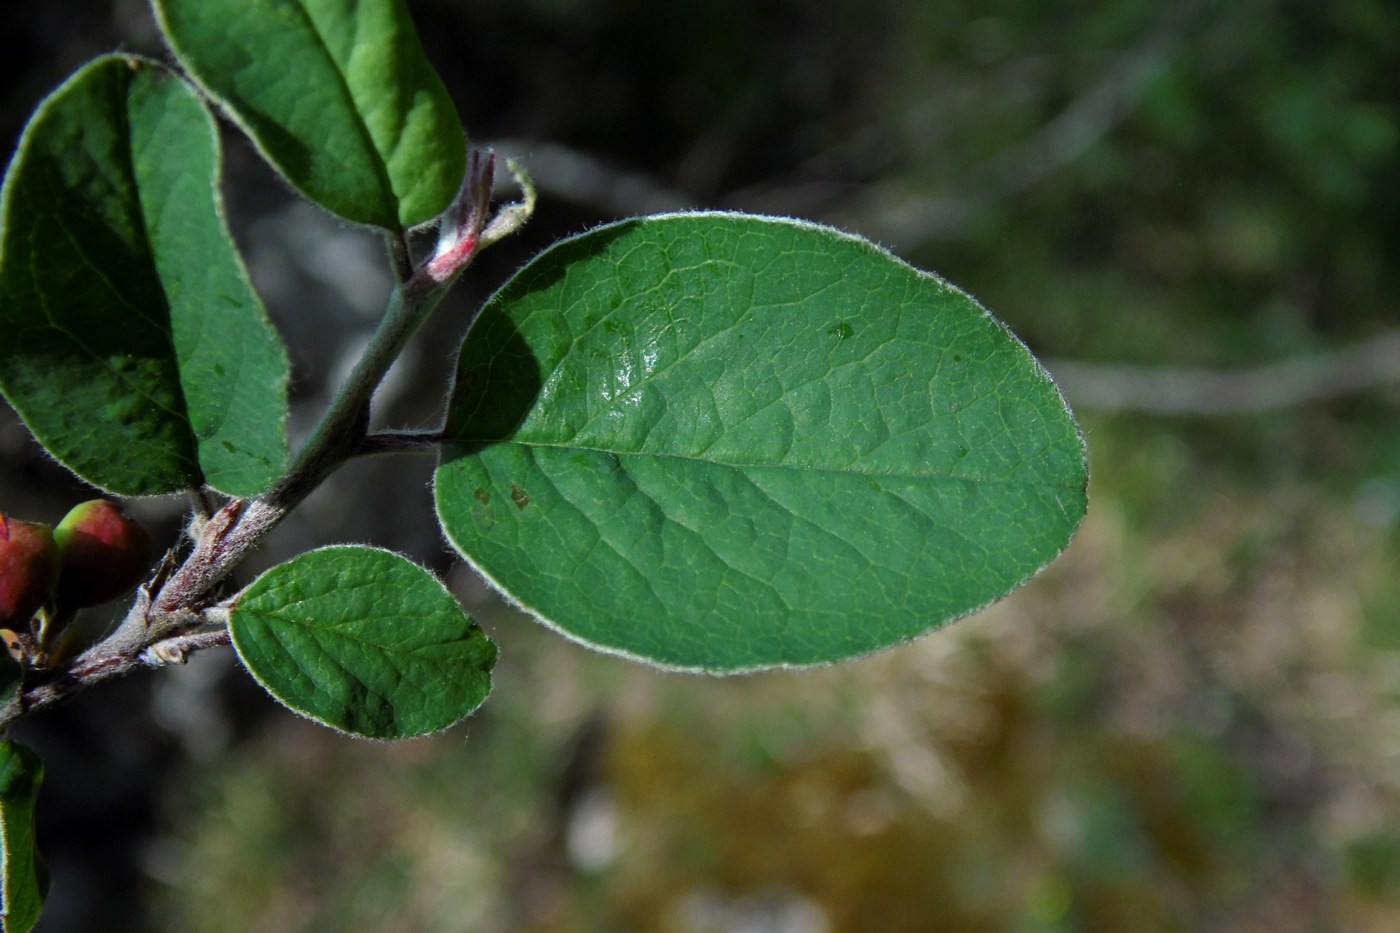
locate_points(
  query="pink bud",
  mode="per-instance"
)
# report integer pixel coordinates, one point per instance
(28, 570)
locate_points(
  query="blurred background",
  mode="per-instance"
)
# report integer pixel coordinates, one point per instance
(1191, 721)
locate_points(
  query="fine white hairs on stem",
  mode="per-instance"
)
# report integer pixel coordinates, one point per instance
(464, 229)
(515, 214)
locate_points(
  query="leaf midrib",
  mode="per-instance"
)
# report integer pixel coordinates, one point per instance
(762, 466)
(380, 166)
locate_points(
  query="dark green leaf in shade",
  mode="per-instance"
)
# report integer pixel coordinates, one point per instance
(135, 347)
(22, 874)
(723, 442)
(337, 94)
(364, 641)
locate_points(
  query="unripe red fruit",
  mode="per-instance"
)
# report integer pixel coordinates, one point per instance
(28, 570)
(103, 551)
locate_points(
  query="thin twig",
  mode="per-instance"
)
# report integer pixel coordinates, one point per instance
(177, 650)
(107, 662)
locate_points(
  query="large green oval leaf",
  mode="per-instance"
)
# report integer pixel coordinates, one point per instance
(725, 442)
(23, 881)
(364, 641)
(134, 346)
(337, 94)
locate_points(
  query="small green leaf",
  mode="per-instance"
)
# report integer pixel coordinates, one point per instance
(364, 641)
(337, 94)
(724, 442)
(135, 347)
(21, 872)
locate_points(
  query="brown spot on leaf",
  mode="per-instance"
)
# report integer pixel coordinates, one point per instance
(482, 496)
(520, 497)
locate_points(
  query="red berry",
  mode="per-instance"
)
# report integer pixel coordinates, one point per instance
(28, 570)
(103, 551)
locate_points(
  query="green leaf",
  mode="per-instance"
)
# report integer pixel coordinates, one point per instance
(723, 442)
(337, 94)
(364, 641)
(135, 347)
(21, 872)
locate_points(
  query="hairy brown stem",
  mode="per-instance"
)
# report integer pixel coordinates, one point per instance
(106, 662)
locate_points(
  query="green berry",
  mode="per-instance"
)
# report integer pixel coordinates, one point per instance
(28, 570)
(103, 552)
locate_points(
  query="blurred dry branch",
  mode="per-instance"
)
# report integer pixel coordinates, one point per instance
(894, 214)
(888, 212)
(1169, 391)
